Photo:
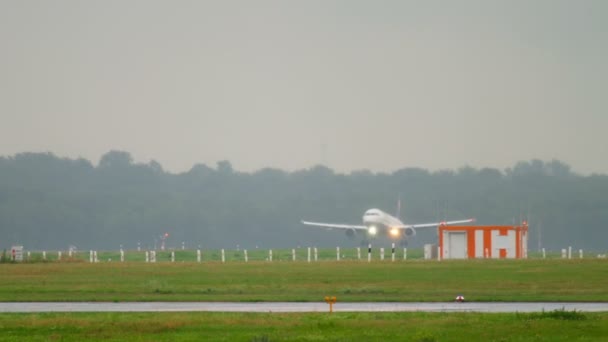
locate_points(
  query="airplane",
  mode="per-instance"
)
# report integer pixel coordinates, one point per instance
(377, 222)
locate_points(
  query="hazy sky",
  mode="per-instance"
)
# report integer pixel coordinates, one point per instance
(377, 85)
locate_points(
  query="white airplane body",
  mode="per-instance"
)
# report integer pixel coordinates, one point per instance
(376, 221)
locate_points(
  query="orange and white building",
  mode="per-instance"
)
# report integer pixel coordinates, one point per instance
(470, 242)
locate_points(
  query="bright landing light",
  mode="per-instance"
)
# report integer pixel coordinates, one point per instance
(394, 232)
(372, 230)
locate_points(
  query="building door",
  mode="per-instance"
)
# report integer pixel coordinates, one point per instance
(457, 244)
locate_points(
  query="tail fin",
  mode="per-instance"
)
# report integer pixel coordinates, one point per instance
(398, 214)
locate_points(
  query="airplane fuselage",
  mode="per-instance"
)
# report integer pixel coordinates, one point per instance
(376, 219)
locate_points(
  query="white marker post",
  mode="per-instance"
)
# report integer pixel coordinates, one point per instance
(564, 253)
(147, 256)
(246, 256)
(358, 253)
(381, 253)
(570, 252)
(337, 253)
(152, 256)
(198, 255)
(404, 253)
(393, 252)
(172, 256)
(580, 253)
(270, 255)
(223, 256)
(91, 256)
(43, 255)
(544, 254)
(293, 254)
(59, 255)
(369, 252)
(308, 254)
(122, 256)
(316, 254)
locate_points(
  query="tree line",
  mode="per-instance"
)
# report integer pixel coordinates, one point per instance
(48, 202)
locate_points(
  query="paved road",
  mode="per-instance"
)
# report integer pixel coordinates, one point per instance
(297, 307)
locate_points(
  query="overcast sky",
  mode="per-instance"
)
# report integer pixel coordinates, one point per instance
(377, 85)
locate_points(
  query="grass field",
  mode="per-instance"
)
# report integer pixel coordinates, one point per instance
(477, 280)
(284, 280)
(548, 326)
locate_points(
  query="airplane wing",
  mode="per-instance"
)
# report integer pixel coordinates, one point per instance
(444, 223)
(334, 225)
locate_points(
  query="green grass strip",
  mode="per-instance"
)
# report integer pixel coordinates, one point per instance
(304, 327)
(350, 281)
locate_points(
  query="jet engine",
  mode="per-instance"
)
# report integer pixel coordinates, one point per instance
(409, 232)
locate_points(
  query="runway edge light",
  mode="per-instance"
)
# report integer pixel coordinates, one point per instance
(330, 300)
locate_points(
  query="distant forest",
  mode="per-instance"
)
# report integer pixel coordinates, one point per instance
(48, 202)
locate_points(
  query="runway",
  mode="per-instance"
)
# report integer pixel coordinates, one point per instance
(33, 307)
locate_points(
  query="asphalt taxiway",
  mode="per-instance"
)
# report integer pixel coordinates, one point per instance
(6, 307)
